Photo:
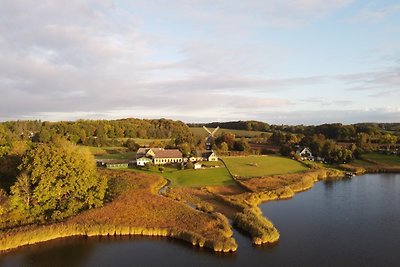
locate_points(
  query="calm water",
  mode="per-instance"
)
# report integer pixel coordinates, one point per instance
(343, 223)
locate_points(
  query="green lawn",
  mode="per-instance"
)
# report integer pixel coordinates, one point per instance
(201, 177)
(382, 158)
(258, 166)
(192, 178)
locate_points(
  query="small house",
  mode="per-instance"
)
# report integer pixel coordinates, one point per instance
(305, 153)
(142, 161)
(210, 156)
(116, 164)
(197, 165)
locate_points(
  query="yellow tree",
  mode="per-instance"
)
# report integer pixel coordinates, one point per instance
(56, 181)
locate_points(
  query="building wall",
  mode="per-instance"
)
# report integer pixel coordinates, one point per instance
(162, 161)
(142, 162)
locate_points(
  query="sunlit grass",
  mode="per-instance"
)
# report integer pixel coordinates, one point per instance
(257, 166)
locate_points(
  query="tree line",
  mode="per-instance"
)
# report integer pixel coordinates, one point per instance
(95, 132)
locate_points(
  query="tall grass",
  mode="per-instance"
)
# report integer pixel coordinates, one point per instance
(260, 228)
(136, 209)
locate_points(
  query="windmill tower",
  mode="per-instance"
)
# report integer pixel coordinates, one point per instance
(210, 137)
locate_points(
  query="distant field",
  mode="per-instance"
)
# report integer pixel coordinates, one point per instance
(199, 131)
(258, 166)
(118, 156)
(147, 142)
(383, 159)
(117, 153)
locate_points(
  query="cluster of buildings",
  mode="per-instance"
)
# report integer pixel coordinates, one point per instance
(160, 156)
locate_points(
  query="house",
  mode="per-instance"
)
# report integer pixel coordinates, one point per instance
(305, 153)
(167, 156)
(197, 165)
(209, 156)
(196, 156)
(142, 161)
(113, 164)
(158, 156)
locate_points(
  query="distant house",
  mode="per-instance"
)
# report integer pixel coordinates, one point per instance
(210, 156)
(158, 156)
(305, 153)
(142, 161)
(197, 165)
(113, 164)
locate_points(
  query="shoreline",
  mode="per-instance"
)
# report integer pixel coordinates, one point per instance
(85, 224)
(250, 219)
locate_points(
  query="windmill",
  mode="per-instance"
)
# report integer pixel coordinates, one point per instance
(210, 137)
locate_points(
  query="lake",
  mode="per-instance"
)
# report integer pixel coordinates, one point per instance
(351, 222)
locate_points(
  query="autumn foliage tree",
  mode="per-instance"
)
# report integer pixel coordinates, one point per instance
(56, 181)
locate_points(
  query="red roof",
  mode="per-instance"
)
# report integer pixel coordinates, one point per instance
(168, 153)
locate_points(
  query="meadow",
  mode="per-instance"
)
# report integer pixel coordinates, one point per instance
(259, 166)
(192, 178)
(382, 158)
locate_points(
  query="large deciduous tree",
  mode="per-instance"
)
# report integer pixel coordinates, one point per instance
(56, 181)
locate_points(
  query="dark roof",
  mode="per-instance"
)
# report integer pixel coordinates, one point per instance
(207, 154)
(167, 153)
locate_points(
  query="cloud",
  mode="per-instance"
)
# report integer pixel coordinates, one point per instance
(193, 60)
(382, 83)
(310, 117)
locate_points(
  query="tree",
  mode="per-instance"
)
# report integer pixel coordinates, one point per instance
(44, 135)
(228, 138)
(223, 147)
(132, 145)
(189, 165)
(241, 145)
(185, 149)
(285, 150)
(56, 181)
(388, 140)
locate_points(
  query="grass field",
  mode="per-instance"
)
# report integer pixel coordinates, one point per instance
(96, 151)
(199, 131)
(383, 159)
(193, 178)
(115, 153)
(258, 166)
(202, 177)
(147, 142)
(118, 156)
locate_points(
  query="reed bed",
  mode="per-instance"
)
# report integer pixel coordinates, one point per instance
(136, 209)
(260, 228)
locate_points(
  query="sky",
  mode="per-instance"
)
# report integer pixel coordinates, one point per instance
(281, 62)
